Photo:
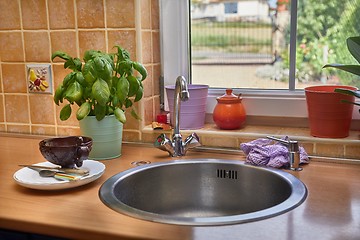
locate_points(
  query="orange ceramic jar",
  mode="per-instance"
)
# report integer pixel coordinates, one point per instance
(229, 113)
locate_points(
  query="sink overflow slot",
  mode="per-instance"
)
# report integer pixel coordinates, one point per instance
(231, 174)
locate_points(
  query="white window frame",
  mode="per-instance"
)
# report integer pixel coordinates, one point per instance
(175, 61)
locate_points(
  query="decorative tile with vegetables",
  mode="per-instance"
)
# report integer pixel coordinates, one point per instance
(39, 78)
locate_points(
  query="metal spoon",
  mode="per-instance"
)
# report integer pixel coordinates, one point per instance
(47, 173)
(57, 175)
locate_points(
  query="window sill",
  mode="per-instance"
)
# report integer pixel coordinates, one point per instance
(213, 137)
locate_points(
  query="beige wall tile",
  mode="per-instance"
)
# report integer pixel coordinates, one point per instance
(34, 14)
(11, 48)
(42, 109)
(11, 128)
(156, 47)
(2, 127)
(14, 78)
(148, 111)
(125, 38)
(43, 130)
(157, 109)
(120, 14)
(9, 18)
(16, 107)
(66, 131)
(61, 14)
(131, 123)
(151, 137)
(64, 41)
(330, 150)
(91, 40)
(146, 47)
(148, 82)
(2, 118)
(155, 24)
(59, 74)
(90, 14)
(352, 151)
(146, 14)
(217, 141)
(309, 147)
(1, 80)
(60, 33)
(131, 136)
(72, 121)
(37, 47)
(156, 78)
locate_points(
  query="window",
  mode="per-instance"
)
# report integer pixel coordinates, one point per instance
(252, 46)
(230, 7)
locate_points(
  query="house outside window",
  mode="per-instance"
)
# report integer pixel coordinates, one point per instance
(230, 7)
(269, 50)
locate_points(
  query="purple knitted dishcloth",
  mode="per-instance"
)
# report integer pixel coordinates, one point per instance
(262, 152)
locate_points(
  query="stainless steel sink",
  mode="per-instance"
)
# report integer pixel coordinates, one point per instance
(202, 192)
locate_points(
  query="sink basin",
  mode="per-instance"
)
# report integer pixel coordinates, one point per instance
(202, 192)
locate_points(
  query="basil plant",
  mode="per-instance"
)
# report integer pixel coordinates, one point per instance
(353, 44)
(104, 84)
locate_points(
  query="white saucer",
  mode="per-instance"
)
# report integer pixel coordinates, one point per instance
(29, 178)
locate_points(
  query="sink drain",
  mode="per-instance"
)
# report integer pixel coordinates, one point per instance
(231, 174)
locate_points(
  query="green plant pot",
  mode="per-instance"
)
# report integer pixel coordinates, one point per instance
(106, 135)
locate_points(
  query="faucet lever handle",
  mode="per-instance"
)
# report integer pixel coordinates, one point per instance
(192, 141)
(294, 153)
(162, 142)
(292, 145)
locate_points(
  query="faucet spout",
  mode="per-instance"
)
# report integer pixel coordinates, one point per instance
(181, 94)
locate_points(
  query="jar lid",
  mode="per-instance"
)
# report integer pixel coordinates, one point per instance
(229, 97)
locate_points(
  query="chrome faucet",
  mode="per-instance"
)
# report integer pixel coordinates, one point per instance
(294, 153)
(177, 147)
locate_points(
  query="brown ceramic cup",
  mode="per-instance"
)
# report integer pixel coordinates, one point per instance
(66, 151)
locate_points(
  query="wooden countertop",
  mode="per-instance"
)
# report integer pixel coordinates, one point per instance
(331, 210)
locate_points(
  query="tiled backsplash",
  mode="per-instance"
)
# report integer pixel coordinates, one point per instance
(31, 30)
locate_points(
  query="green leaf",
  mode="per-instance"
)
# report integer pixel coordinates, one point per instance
(120, 115)
(103, 69)
(115, 100)
(91, 54)
(73, 64)
(89, 72)
(128, 103)
(60, 54)
(125, 67)
(133, 85)
(68, 79)
(141, 69)
(353, 44)
(83, 111)
(110, 59)
(100, 111)
(122, 89)
(122, 53)
(348, 92)
(65, 112)
(101, 91)
(58, 96)
(79, 77)
(139, 94)
(354, 69)
(74, 92)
